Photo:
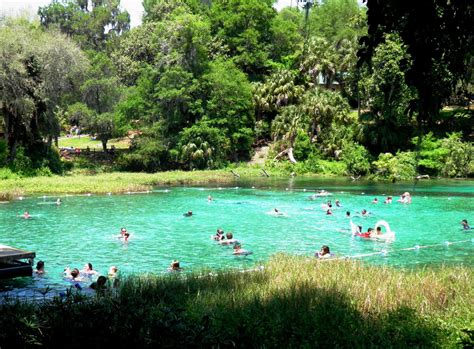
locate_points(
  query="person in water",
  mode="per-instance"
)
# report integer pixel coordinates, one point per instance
(88, 270)
(188, 214)
(26, 215)
(72, 274)
(388, 200)
(465, 225)
(324, 253)
(58, 202)
(348, 214)
(338, 203)
(377, 232)
(40, 268)
(329, 212)
(364, 212)
(219, 235)
(375, 201)
(174, 266)
(113, 276)
(238, 250)
(100, 284)
(229, 240)
(209, 198)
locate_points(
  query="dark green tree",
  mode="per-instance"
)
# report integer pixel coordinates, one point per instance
(90, 23)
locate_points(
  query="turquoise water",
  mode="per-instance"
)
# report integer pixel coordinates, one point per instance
(85, 228)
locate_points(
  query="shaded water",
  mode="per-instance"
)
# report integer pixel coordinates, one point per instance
(85, 228)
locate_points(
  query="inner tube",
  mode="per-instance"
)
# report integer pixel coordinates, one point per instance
(365, 235)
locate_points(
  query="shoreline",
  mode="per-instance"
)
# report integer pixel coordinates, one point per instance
(135, 182)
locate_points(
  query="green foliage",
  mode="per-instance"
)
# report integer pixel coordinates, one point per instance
(401, 167)
(385, 92)
(303, 146)
(431, 154)
(203, 147)
(244, 26)
(91, 24)
(3, 152)
(229, 105)
(356, 158)
(287, 38)
(22, 164)
(459, 160)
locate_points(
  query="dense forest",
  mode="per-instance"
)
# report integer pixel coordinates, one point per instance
(383, 89)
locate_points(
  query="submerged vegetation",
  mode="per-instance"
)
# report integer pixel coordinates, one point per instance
(203, 84)
(289, 302)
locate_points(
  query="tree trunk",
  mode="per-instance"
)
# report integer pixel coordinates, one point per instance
(104, 144)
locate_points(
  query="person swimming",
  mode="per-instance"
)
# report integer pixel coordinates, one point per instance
(26, 215)
(348, 214)
(365, 212)
(375, 201)
(209, 198)
(188, 214)
(40, 268)
(329, 212)
(58, 202)
(388, 200)
(465, 225)
(229, 240)
(174, 266)
(100, 284)
(88, 270)
(338, 203)
(238, 250)
(324, 253)
(219, 235)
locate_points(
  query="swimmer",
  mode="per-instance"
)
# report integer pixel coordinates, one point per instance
(238, 250)
(113, 276)
(324, 253)
(465, 225)
(188, 214)
(328, 212)
(88, 270)
(371, 232)
(174, 266)
(365, 212)
(375, 201)
(40, 268)
(72, 274)
(348, 214)
(209, 198)
(388, 200)
(219, 235)
(100, 284)
(26, 215)
(338, 203)
(123, 231)
(229, 239)
(58, 202)
(378, 231)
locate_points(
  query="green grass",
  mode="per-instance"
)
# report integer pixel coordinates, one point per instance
(85, 141)
(115, 182)
(292, 302)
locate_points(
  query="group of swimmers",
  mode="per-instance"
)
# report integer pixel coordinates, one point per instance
(228, 239)
(86, 274)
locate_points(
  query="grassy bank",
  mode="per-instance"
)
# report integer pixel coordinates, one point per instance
(293, 302)
(114, 182)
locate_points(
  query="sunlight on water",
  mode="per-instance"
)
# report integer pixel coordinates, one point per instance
(86, 228)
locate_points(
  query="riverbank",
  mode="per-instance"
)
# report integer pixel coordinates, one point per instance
(289, 302)
(120, 182)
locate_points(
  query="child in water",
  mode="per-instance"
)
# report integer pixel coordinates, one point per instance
(465, 226)
(324, 253)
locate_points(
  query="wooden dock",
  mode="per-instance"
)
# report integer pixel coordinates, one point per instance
(13, 264)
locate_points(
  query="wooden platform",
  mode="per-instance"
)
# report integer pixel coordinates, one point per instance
(11, 264)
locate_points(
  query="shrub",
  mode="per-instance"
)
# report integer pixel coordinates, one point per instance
(400, 167)
(22, 164)
(459, 158)
(356, 158)
(431, 154)
(302, 146)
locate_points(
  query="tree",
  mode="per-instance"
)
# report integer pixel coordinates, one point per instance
(229, 105)
(91, 24)
(38, 69)
(439, 39)
(388, 96)
(245, 27)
